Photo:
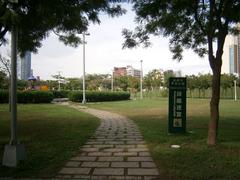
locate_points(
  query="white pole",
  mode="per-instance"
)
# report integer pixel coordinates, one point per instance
(141, 81)
(59, 85)
(112, 82)
(235, 90)
(84, 93)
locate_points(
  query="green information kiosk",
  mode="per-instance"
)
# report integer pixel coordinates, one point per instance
(177, 105)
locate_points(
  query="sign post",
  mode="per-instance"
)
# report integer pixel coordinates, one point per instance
(177, 105)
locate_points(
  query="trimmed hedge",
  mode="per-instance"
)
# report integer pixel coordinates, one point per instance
(60, 94)
(28, 96)
(3, 96)
(96, 96)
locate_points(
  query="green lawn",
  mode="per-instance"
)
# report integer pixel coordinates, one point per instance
(194, 160)
(51, 133)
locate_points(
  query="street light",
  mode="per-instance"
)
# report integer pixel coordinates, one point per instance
(112, 81)
(235, 90)
(59, 83)
(14, 151)
(84, 87)
(141, 81)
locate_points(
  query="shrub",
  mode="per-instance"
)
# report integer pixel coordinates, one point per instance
(34, 96)
(3, 96)
(95, 96)
(28, 96)
(60, 94)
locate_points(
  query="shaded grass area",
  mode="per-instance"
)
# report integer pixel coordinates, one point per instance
(194, 160)
(52, 134)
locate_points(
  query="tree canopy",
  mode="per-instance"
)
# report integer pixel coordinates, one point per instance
(35, 19)
(195, 25)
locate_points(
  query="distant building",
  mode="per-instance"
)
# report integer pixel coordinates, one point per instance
(119, 71)
(128, 70)
(24, 70)
(231, 55)
(133, 72)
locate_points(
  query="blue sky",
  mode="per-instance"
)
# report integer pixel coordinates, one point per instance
(104, 52)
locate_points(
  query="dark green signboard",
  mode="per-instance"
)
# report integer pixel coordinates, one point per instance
(177, 105)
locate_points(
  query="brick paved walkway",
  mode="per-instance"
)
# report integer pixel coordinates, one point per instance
(115, 152)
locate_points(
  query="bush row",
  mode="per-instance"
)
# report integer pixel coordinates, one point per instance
(60, 94)
(28, 96)
(95, 96)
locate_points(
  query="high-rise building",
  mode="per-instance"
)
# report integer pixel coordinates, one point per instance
(231, 55)
(24, 70)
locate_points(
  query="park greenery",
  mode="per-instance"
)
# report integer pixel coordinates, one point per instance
(155, 84)
(198, 25)
(195, 159)
(52, 135)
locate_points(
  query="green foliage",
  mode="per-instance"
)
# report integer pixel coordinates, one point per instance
(95, 96)
(60, 94)
(194, 160)
(36, 19)
(3, 96)
(28, 96)
(34, 96)
(189, 24)
(154, 79)
(3, 80)
(52, 135)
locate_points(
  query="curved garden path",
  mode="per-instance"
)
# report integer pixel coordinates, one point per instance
(116, 151)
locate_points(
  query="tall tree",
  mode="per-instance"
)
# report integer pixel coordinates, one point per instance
(35, 19)
(196, 25)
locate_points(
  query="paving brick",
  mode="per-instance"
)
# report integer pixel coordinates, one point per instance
(125, 154)
(142, 171)
(95, 164)
(141, 146)
(108, 171)
(82, 171)
(113, 150)
(140, 159)
(99, 154)
(125, 164)
(137, 149)
(82, 177)
(125, 146)
(84, 158)
(89, 149)
(73, 164)
(110, 159)
(144, 154)
(148, 164)
(116, 151)
(103, 146)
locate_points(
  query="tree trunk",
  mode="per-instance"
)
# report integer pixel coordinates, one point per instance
(214, 104)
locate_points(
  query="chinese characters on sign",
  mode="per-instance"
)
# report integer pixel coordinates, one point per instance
(177, 105)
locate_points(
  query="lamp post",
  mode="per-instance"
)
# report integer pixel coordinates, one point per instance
(84, 87)
(112, 81)
(235, 90)
(59, 83)
(14, 151)
(141, 81)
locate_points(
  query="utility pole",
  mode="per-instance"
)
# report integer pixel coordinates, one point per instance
(141, 81)
(14, 151)
(112, 81)
(59, 83)
(84, 87)
(235, 90)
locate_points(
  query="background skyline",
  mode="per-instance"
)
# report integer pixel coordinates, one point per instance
(104, 52)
